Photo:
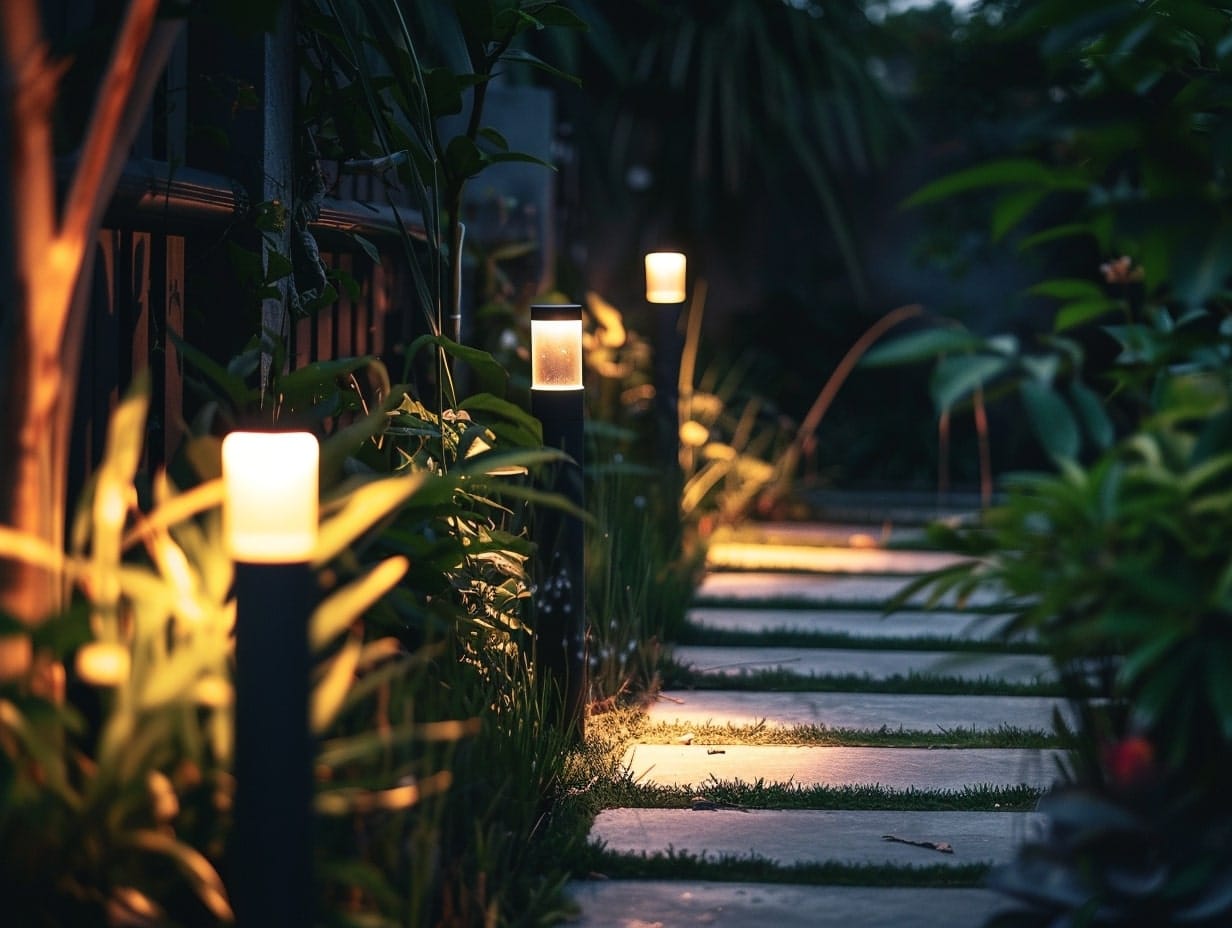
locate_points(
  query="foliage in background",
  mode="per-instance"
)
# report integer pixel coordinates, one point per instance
(731, 96)
(1119, 565)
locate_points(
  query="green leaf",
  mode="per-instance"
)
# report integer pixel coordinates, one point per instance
(308, 384)
(368, 248)
(463, 158)
(361, 508)
(560, 16)
(1068, 288)
(521, 56)
(1091, 412)
(330, 692)
(993, 174)
(338, 612)
(1051, 419)
(443, 92)
(955, 377)
(487, 403)
(520, 157)
(1012, 208)
(277, 266)
(490, 374)
(1075, 314)
(1068, 230)
(494, 138)
(921, 346)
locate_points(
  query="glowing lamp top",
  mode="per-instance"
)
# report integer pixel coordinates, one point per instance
(665, 277)
(556, 347)
(271, 484)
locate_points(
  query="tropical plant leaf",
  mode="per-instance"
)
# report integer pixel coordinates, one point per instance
(992, 174)
(362, 507)
(1051, 419)
(330, 692)
(340, 609)
(956, 376)
(925, 345)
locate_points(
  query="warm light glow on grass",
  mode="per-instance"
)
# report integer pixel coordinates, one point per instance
(750, 556)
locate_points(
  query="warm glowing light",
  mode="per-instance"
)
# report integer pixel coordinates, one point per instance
(16, 656)
(103, 663)
(270, 482)
(556, 347)
(765, 556)
(665, 277)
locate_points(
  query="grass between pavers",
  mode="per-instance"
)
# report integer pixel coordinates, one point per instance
(596, 779)
(628, 794)
(1004, 736)
(680, 677)
(794, 638)
(682, 865)
(884, 607)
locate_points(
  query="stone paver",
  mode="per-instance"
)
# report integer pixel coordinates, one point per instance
(894, 768)
(870, 711)
(811, 836)
(738, 555)
(662, 904)
(763, 586)
(856, 623)
(1011, 668)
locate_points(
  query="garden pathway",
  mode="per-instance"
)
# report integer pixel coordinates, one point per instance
(800, 728)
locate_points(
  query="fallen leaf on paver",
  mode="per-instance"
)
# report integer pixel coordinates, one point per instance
(943, 846)
(702, 804)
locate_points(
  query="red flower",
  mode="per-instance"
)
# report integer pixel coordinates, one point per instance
(1128, 762)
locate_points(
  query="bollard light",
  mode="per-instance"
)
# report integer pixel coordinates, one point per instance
(556, 347)
(270, 482)
(665, 284)
(558, 401)
(665, 276)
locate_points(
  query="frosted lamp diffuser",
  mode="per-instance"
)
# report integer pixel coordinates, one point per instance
(665, 277)
(556, 347)
(270, 484)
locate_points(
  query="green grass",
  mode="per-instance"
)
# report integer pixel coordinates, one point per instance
(839, 605)
(794, 638)
(625, 793)
(676, 676)
(1004, 736)
(681, 865)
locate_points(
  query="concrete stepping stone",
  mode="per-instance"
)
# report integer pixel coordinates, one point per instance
(811, 836)
(667, 904)
(759, 555)
(856, 623)
(869, 711)
(770, 586)
(805, 765)
(965, 665)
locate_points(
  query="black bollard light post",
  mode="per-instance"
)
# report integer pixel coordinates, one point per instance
(270, 527)
(557, 401)
(665, 287)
